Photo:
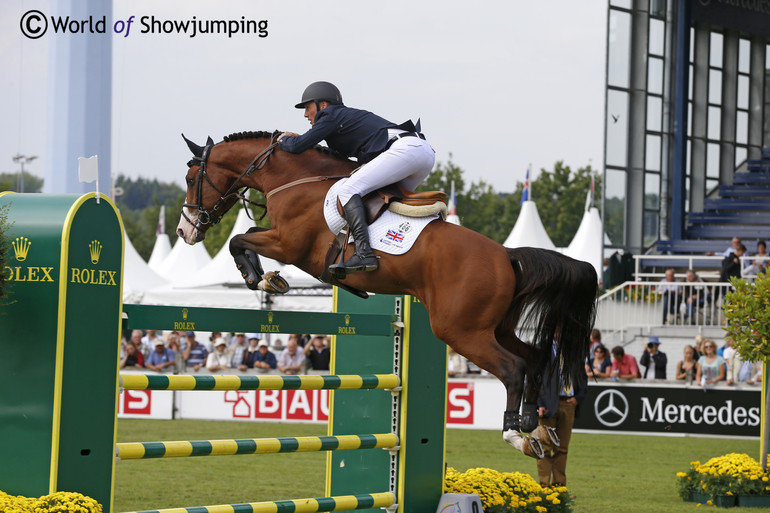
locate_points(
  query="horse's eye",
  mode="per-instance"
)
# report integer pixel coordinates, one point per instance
(190, 181)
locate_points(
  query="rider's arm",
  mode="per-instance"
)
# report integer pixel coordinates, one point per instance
(323, 127)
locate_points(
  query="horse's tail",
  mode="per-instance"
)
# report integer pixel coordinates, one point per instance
(555, 299)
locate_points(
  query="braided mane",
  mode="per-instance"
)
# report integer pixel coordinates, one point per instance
(237, 136)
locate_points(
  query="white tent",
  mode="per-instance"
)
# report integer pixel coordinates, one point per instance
(137, 275)
(529, 230)
(183, 261)
(162, 246)
(587, 243)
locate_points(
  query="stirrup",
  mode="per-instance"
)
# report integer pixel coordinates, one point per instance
(273, 283)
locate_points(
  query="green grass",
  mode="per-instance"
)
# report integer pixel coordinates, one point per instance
(607, 473)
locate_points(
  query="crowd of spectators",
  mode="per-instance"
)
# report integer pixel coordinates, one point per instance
(184, 352)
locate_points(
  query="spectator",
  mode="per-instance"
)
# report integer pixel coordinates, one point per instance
(173, 343)
(711, 366)
(456, 364)
(237, 348)
(194, 353)
(759, 264)
(672, 296)
(133, 357)
(278, 345)
(730, 249)
(595, 339)
(137, 338)
(686, 368)
(557, 409)
(290, 360)
(161, 358)
(653, 360)
(219, 359)
(318, 353)
(624, 365)
(148, 340)
(731, 265)
(695, 296)
(733, 363)
(250, 354)
(754, 372)
(600, 365)
(264, 359)
(699, 351)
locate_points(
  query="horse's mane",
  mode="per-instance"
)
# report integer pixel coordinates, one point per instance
(237, 136)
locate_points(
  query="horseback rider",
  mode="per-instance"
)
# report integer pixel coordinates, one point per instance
(391, 154)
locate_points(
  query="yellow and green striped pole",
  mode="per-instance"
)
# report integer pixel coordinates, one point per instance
(268, 382)
(339, 503)
(146, 450)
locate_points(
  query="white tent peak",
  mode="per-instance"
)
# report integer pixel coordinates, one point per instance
(586, 245)
(529, 230)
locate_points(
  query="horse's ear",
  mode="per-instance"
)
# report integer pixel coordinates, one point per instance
(194, 148)
(209, 141)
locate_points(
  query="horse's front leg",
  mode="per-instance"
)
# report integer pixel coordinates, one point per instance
(246, 249)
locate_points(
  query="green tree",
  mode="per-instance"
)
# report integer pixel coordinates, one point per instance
(10, 182)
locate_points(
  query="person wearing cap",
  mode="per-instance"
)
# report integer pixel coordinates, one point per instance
(237, 348)
(219, 359)
(193, 352)
(161, 358)
(388, 153)
(264, 359)
(653, 360)
(318, 353)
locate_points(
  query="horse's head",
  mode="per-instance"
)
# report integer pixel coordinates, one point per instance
(214, 179)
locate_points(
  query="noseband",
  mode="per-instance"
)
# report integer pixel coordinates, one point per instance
(213, 216)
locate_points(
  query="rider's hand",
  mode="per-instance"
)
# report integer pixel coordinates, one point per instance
(287, 134)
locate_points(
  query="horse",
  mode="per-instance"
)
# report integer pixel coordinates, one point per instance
(480, 296)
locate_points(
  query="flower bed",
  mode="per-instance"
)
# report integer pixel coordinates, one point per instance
(508, 492)
(59, 502)
(721, 479)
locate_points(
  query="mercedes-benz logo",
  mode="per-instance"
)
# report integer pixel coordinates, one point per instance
(611, 407)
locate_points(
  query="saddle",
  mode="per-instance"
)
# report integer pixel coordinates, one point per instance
(377, 202)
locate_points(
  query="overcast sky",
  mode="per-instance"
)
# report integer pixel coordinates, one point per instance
(498, 84)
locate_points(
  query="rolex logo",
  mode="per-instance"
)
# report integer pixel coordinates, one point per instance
(21, 248)
(184, 313)
(347, 319)
(269, 317)
(95, 248)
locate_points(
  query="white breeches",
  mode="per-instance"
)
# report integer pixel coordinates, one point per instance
(407, 162)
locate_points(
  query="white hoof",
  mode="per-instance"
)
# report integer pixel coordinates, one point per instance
(514, 439)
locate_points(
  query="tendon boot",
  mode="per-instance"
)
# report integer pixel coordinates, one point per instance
(363, 259)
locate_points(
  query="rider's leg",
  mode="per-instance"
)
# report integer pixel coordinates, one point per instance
(363, 259)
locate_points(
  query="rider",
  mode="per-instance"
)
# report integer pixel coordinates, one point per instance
(392, 154)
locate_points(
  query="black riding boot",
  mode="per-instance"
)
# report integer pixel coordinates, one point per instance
(363, 259)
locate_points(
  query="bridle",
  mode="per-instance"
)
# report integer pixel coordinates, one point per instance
(213, 216)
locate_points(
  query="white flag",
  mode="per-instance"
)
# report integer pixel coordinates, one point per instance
(88, 169)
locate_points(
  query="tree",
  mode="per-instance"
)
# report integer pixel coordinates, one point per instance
(10, 182)
(747, 310)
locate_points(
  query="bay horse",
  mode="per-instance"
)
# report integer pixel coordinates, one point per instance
(480, 296)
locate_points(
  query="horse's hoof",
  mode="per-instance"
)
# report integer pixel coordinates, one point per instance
(553, 436)
(273, 283)
(528, 417)
(533, 448)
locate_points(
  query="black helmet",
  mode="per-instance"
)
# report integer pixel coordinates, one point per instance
(320, 92)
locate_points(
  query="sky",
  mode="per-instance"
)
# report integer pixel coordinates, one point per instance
(498, 85)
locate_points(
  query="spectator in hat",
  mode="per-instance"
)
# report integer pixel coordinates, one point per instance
(161, 358)
(219, 359)
(264, 359)
(250, 354)
(653, 360)
(194, 352)
(624, 365)
(237, 348)
(291, 359)
(318, 353)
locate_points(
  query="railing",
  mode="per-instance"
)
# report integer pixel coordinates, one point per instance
(642, 304)
(706, 266)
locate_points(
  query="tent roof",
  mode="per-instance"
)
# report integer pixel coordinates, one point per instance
(529, 230)
(587, 243)
(160, 251)
(137, 275)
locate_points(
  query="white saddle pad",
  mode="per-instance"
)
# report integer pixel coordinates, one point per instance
(392, 233)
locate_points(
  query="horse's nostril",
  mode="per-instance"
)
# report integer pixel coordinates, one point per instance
(180, 232)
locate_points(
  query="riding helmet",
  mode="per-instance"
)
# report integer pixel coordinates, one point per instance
(320, 92)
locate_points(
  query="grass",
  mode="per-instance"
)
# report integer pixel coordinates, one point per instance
(607, 473)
